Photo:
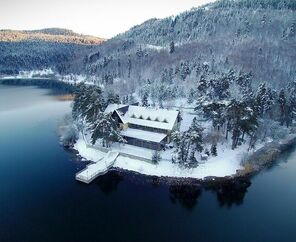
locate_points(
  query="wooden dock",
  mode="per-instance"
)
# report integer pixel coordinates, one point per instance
(98, 168)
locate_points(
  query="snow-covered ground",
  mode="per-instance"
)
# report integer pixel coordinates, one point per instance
(49, 74)
(156, 47)
(31, 74)
(225, 164)
(75, 79)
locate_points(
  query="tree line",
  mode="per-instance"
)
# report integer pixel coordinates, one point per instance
(88, 113)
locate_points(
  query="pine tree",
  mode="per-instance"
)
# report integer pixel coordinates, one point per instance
(220, 88)
(262, 99)
(214, 150)
(271, 97)
(187, 144)
(202, 85)
(185, 70)
(205, 67)
(95, 104)
(129, 63)
(113, 98)
(291, 102)
(283, 106)
(191, 95)
(105, 128)
(172, 47)
(207, 152)
(79, 96)
(215, 112)
(125, 99)
(145, 99)
(88, 102)
(241, 120)
(243, 81)
(196, 135)
(183, 148)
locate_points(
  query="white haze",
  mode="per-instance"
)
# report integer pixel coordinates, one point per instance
(103, 18)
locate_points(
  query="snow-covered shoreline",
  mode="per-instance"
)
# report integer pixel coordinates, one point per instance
(33, 74)
(48, 74)
(226, 164)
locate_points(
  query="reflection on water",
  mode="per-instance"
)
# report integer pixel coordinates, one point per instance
(186, 195)
(231, 192)
(109, 184)
(16, 98)
(228, 193)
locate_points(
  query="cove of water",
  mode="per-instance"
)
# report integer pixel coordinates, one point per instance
(41, 201)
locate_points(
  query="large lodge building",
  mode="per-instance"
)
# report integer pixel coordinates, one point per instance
(145, 127)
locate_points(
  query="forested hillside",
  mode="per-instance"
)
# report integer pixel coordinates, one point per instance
(39, 49)
(52, 35)
(253, 37)
(256, 37)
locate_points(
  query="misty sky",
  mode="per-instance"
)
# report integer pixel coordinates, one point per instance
(103, 18)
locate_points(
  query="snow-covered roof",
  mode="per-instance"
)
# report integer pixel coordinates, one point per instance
(145, 116)
(143, 135)
(150, 117)
(112, 107)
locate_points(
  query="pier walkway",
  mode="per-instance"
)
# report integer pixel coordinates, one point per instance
(99, 168)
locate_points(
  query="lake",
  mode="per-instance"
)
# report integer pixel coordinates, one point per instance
(40, 200)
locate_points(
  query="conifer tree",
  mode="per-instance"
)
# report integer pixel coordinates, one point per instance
(113, 98)
(202, 85)
(191, 95)
(172, 47)
(105, 128)
(95, 104)
(241, 120)
(145, 99)
(214, 150)
(187, 144)
(283, 106)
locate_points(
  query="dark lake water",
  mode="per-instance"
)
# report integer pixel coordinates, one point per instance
(41, 201)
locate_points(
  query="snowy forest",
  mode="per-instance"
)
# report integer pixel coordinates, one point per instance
(229, 66)
(232, 63)
(254, 38)
(235, 111)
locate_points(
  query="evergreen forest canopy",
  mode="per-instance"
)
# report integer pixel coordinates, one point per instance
(256, 37)
(39, 49)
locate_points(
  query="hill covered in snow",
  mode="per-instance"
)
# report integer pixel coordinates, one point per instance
(249, 36)
(256, 37)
